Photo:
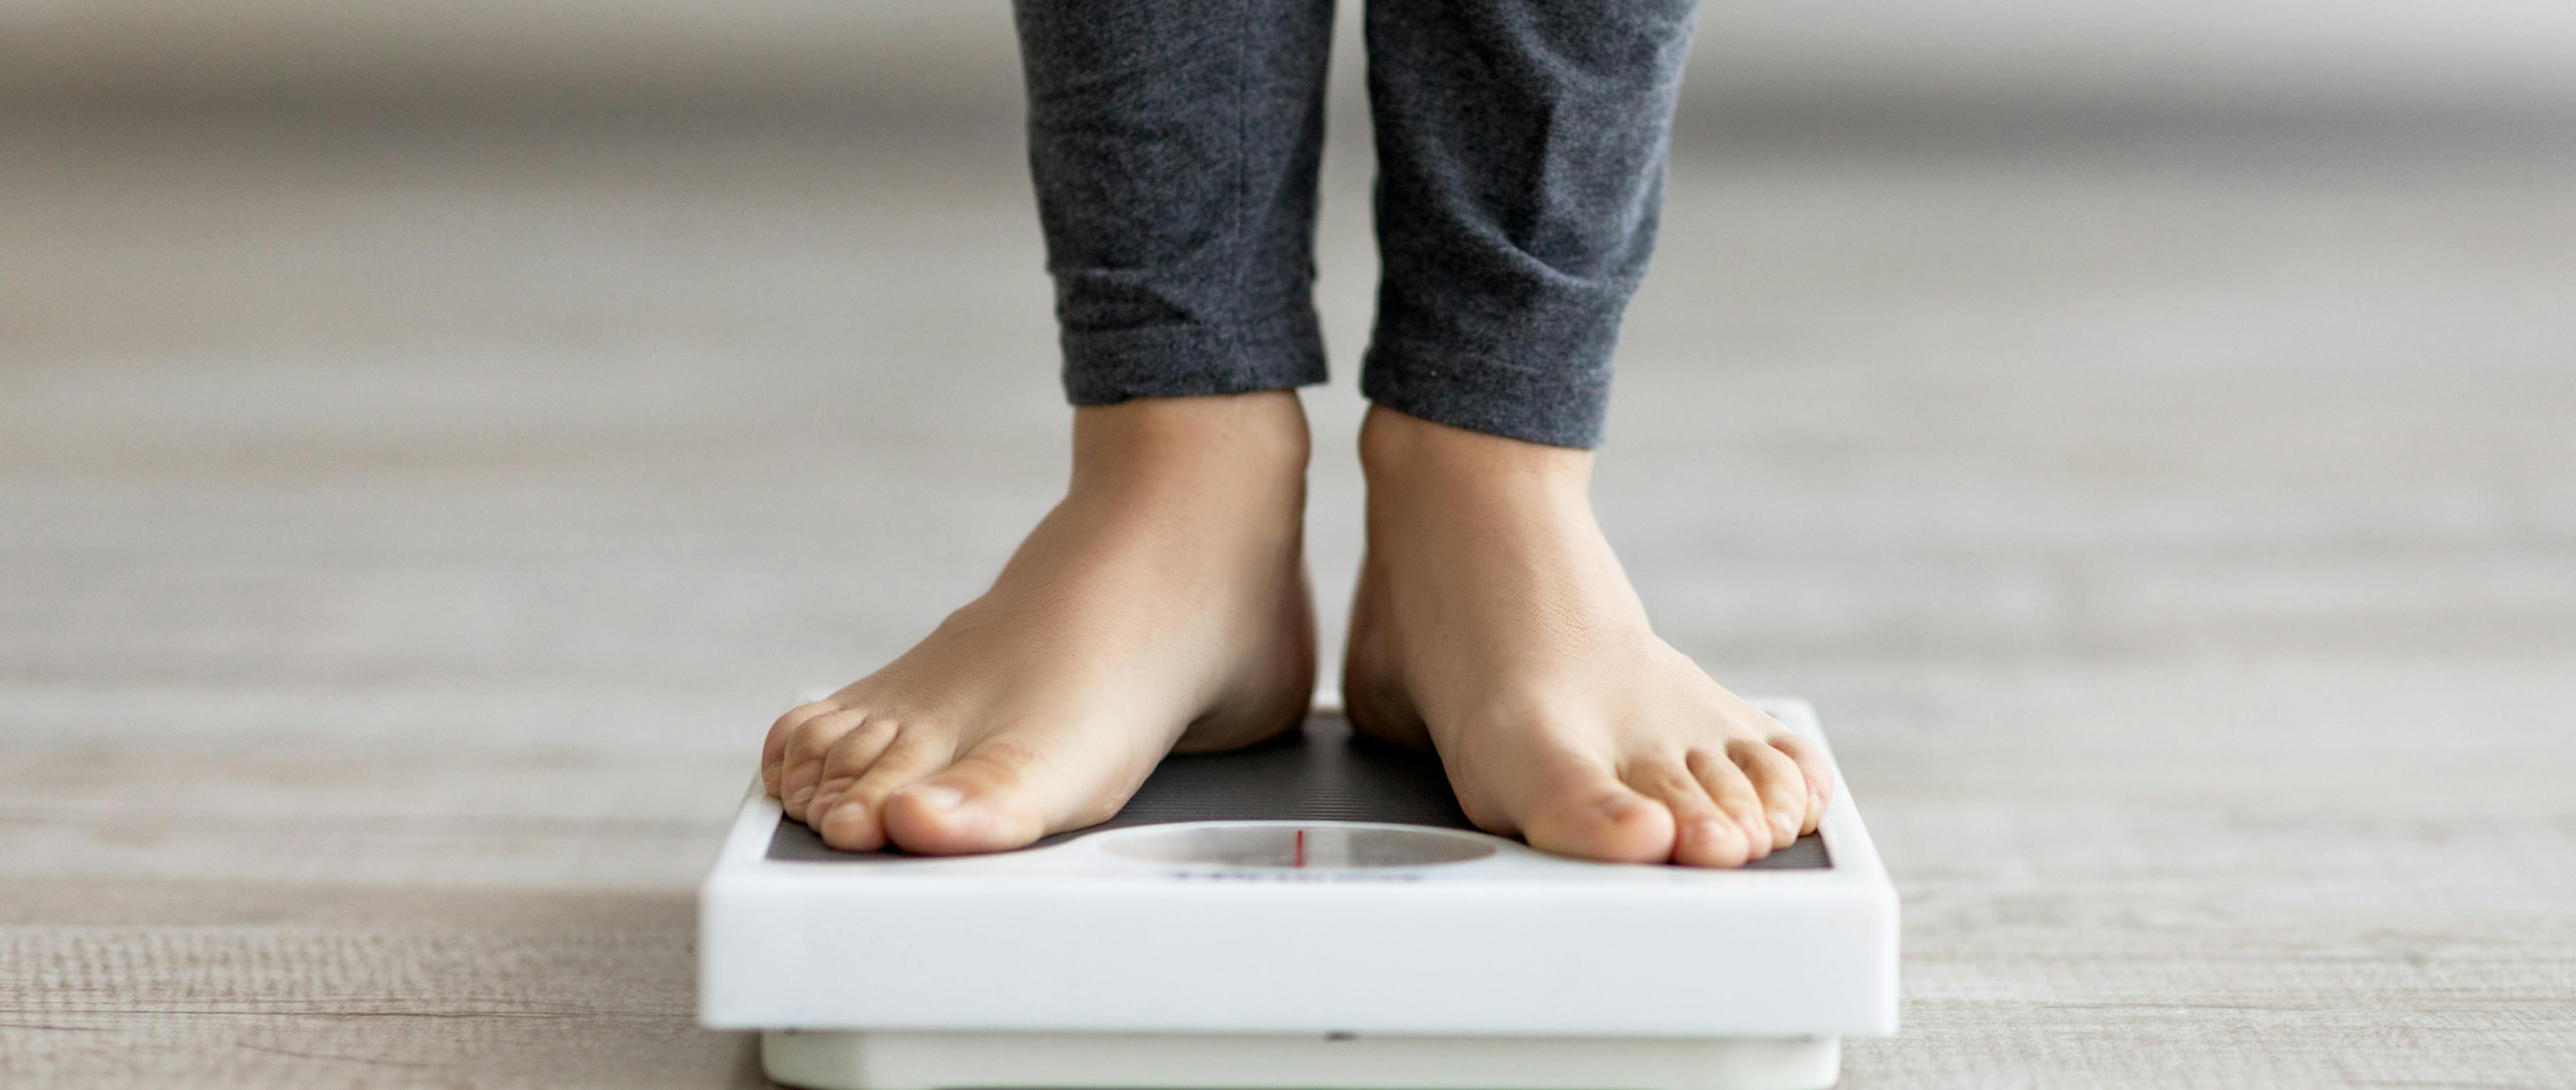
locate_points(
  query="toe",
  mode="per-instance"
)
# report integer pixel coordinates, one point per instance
(849, 759)
(1703, 835)
(1583, 810)
(1733, 794)
(984, 802)
(857, 819)
(1819, 776)
(773, 749)
(1777, 779)
(807, 746)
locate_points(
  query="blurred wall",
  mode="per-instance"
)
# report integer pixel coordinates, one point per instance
(930, 58)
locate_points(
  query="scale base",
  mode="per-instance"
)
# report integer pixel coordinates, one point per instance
(952, 1060)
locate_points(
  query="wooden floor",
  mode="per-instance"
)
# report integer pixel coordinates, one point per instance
(407, 529)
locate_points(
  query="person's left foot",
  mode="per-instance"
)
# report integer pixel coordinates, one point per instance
(1493, 623)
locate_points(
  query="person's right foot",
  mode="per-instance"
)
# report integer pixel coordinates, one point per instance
(1163, 604)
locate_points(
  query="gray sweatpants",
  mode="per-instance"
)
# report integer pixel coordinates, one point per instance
(1520, 148)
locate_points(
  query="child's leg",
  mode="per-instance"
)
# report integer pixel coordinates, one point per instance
(1521, 152)
(1164, 601)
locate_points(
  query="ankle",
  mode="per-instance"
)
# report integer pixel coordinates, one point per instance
(1397, 448)
(1257, 442)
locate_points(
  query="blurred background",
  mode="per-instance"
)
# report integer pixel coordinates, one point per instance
(436, 439)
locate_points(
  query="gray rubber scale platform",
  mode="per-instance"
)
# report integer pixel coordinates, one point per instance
(1324, 773)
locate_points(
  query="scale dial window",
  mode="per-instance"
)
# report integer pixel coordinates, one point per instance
(1297, 846)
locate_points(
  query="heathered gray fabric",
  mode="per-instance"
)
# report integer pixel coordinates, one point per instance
(1521, 148)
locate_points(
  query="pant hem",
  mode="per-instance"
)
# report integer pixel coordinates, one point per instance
(1104, 367)
(1556, 408)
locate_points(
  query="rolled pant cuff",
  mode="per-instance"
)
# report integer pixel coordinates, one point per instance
(1104, 367)
(1560, 407)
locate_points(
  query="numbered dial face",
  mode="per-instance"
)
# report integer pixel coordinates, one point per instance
(1297, 846)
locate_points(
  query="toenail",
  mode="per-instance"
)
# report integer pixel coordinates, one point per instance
(819, 809)
(1706, 831)
(938, 796)
(798, 799)
(1617, 806)
(1783, 827)
(1816, 803)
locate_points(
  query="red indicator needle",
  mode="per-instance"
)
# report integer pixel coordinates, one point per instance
(1301, 847)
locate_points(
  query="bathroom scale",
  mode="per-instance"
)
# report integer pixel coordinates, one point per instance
(1310, 912)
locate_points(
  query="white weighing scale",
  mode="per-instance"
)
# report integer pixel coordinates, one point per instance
(1310, 912)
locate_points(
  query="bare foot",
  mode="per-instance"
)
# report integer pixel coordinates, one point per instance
(1162, 604)
(1493, 623)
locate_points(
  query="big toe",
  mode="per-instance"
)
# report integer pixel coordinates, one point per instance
(984, 802)
(1591, 815)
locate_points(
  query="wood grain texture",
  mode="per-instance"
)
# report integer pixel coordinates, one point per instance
(405, 533)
